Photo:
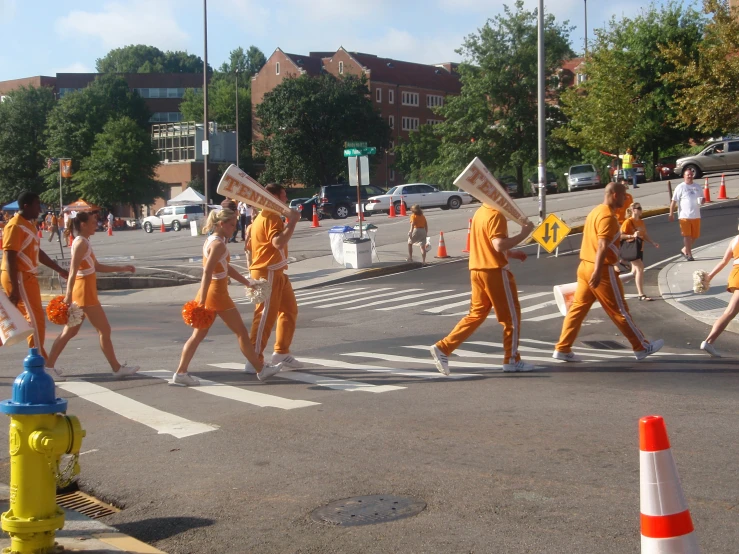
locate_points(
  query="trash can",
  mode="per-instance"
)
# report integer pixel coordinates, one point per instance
(194, 229)
(357, 253)
(336, 235)
(369, 231)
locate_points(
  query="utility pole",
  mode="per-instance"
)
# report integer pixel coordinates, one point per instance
(237, 118)
(206, 144)
(586, 28)
(542, 118)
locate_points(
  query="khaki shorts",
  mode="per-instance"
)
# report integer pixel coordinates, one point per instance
(690, 228)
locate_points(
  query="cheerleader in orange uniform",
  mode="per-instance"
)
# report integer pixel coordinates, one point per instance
(213, 294)
(731, 255)
(82, 290)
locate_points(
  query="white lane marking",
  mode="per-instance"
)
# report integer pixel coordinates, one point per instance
(538, 306)
(340, 295)
(89, 451)
(550, 350)
(163, 423)
(379, 369)
(556, 314)
(630, 352)
(328, 382)
(406, 297)
(462, 353)
(238, 394)
(362, 299)
(427, 301)
(317, 293)
(460, 314)
(439, 309)
(409, 360)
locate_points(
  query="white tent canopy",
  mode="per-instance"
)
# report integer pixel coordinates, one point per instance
(187, 197)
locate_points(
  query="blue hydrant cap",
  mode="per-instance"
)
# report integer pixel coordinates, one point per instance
(33, 390)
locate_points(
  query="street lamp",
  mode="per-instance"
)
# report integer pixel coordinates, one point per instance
(541, 82)
(206, 145)
(237, 117)
(586, 28)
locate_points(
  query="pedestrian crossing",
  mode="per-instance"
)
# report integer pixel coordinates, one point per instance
(393, 370)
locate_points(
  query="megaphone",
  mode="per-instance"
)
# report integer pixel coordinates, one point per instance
(13, 326)
(564, 294)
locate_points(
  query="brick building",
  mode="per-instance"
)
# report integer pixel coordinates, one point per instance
(404, 93)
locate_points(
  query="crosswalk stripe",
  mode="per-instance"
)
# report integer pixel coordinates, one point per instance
(407, 297)
(549, 350)
(379, 369)
(342, 295)
(539, 306)
(409, 360)
(162, 422)
(439, 309)
(240, 395)
(630, 353)
(418, 303)
(462, 353)
(327, 382)
(321, 292)
(431, 300)
(362, 299)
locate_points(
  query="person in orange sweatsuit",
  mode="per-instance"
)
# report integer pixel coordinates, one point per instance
(269, 238)
(597, 280)
(493, 287)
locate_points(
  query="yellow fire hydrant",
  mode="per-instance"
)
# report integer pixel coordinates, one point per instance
(39, 434)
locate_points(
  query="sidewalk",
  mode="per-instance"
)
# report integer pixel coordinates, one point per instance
(676, 285)
(83, 534)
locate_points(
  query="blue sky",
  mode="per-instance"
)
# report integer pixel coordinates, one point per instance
(43, 37)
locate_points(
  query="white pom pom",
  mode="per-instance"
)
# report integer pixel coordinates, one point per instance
(75, 315)
(258, 291)
(701, 283)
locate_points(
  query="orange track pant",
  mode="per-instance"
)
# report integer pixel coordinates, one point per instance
(281, 307)
(610, 294)
(491, 289)
(30, 306)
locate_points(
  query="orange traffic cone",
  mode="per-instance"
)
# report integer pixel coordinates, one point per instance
(40, 233)
(110, 231)
(706, 193)
(71, 240)
(666, 525)
(315, 217)
(162, 229)
(402, 208)
(441, 251)
(722, 190)
(391, 213)
(469, 230)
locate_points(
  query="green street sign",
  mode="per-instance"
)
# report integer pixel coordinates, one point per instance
(355, 144)
(365, 151)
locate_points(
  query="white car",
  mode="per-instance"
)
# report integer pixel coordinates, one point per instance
(422, 194)
(174, 217)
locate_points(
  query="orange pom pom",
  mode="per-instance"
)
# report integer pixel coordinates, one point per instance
(57, 311)
(197, 316)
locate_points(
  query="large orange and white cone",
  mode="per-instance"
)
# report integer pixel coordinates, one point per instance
(402, 207)
(469, 230)
(441, 251)
(722, 190)
(666, 525)
(315, 217)
(110, 230)
(391, 212)
(706, 192)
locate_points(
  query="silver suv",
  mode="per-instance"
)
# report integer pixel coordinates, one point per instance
(716, 158)
(174, 217)
(583, 176)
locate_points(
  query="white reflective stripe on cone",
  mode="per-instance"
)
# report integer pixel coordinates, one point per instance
(661, 492)
(687, 544)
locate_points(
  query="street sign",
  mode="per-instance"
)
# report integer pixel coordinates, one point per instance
(355, 144)
(363, 168)
(363, 151)
(206, 148)
(551, 233)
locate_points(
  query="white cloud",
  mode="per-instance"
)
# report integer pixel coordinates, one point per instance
(402, 45)
(76, 67)
(127, 22)
(336, 11)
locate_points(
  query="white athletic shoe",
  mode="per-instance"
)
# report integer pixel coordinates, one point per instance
(652, 348)
(185, 380)
(268, 370)
(250, 369)
(710, 350)
(520, 365)
(55, 374)
(566, 356)
(440, 359)
(288, 361)
(125, 370)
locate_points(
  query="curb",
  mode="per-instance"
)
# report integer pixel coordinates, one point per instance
(368, 274)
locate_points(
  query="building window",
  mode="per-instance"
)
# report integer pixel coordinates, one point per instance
(410, 124)
(433, 100)
(160, 92)
(433, 121)
(63, 91)
(341, 68)
(410, 99)
(392, 175)
(391, 121)
(391, 96)
(277, 68)
(391, 150)
(378, 95)
(165, 117)
(581, 78)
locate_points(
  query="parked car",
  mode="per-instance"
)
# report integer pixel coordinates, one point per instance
(617, 173)
(340, 201)
(510, 183)
(665, 167)
(295, 202)
(551, 184)
(716, 158)
(174, 217)
(582, 176)
(305, 207)
(424, 195)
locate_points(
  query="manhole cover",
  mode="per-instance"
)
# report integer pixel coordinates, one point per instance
(367, 510)
(604, 344)
(85, 504)
(705, 304)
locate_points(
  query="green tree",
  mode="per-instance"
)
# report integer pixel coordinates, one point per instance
(416, 157)
(23, 116)
(706, 84)
(625, 101)
(120, 167)
(247, 63)
(78, 117)
(305, 121)
(140, 58)
(495, 116)
(197, 184)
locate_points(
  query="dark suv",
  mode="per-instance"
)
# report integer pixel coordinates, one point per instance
(339, 201)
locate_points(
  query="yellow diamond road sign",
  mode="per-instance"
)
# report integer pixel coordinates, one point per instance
(551, 233)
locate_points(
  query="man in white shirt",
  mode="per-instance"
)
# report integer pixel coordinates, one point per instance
(688, 198)
(245, 213)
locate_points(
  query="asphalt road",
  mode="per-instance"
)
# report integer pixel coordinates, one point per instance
(540, 462)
